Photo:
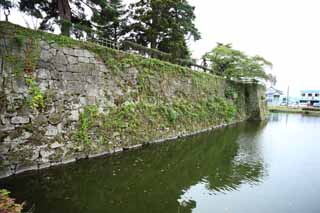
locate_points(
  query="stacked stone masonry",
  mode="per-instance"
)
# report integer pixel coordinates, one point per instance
(70, 78)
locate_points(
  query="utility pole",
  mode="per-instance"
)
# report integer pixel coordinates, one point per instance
(288, 96)
(6, 13)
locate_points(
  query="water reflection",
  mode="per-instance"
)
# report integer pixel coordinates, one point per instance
(169, 177)
(244, 166)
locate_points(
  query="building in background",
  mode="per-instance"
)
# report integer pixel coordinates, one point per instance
(310, 98)
(275, 97)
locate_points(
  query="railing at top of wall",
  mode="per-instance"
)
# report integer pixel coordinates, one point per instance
(146, 52)
(195, 64)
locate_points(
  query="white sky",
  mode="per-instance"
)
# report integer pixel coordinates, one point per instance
(286, 32)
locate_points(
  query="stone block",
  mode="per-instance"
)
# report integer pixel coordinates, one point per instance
(61, 67)
(69, 76)
(56, 145)
(4, 148)
(55, 118)
(4, 120)
(45, 55)
(20, 120)
(60, 58)
(87, 54)
(44, 45)
(43, 74)
(24, 168)
(19, 86)
(78, 52)
(40, 120)
(72, 59)
(52, 131)
(55, 75)
(74, 115)
(5, 172)
(84, 60)
(68, 51)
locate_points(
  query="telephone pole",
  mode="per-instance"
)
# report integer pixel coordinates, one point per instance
(288, 96)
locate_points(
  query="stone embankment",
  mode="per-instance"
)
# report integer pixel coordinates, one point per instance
(63, 100)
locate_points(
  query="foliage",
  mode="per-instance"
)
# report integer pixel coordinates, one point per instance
(7, 204)
(147, 112)
(111, 23)
(6, 4)
(87, 119)
(164, 25)
(36, 98)
(59, 12)
(230, 92)
(235, 64)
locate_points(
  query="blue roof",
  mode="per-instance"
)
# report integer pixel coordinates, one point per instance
(310, 91)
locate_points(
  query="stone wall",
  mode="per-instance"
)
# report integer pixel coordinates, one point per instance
(78, 102)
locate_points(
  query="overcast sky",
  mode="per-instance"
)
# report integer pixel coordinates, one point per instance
(286, 32)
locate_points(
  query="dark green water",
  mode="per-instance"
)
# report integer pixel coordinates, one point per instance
(250, 167)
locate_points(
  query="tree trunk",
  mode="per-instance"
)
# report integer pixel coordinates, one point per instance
(65, 16)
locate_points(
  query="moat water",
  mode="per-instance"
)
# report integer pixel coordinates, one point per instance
(253, 167)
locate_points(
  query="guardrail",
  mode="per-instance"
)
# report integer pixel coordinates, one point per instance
(129, 46)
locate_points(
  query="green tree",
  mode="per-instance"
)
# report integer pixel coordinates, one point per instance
(50, 12)
(166, 25)
(233, 63)
(110, 22)
(6, 5)
(59, 12)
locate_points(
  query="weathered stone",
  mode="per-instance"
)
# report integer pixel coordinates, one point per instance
(43, 74)
(91, 100)
(60, 58)
(72, 59)
(20, 120)
(25, 135)
(4, 148)
(43, 85)
(45, 153)
(83, 101)
(6, 128)
(78, 52)
(44, 45)
(55, 75)
(44, 165)
(74, 115)
(56, 145)
(84, 60)
(72, 79)
(45, 55)
(87, 54)
(5, 171)
(68, 76)
(74, 87)
(40, 120)
(61, 67)
(68, 51)
(92, 60)
(19, 86)
(52, 131)
(25, 167)
(4, 120)
(55, 118)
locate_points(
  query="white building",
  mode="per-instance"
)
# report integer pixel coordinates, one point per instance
(309, 97)
(275, 97)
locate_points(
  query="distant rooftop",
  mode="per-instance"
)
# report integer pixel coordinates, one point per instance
(310, 91)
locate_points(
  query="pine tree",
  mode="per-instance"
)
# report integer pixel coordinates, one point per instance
(6, 5)
(166, 25)
(59, 12)
(110, 22)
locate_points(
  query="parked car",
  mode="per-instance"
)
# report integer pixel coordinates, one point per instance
(316, 105)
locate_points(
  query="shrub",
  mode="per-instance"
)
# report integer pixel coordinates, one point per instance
(7, 204)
